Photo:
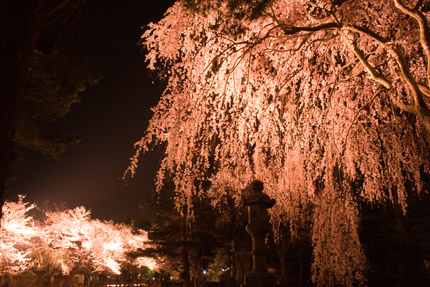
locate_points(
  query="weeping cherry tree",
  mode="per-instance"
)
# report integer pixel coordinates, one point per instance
(326, 101)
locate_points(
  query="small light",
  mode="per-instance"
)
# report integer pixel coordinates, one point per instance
(225, 269)
(205, 272)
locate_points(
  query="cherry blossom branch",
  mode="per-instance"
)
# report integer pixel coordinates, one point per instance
(424, 90)
(291, 30)
(336, 79)
(366, 105)
(419, 108)
(296, 49)
(377, 77)
(423, 28)
(410, 108)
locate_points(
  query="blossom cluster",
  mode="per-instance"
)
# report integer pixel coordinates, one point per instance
(65, 241)
(327, 102)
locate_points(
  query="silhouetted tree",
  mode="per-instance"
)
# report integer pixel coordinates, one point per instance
(182, 242)
(37, 83)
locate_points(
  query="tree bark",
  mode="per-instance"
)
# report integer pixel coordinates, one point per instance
(283, 249)
(184, 257)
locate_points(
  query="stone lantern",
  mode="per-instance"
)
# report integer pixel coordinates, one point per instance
(258, 226)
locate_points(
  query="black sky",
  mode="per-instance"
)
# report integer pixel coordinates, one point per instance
(112, 116)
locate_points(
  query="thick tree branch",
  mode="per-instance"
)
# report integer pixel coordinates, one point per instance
(291, 30)
(419, 108)
(424, 90)
(365, 106)
(423, 27)
(377, 77)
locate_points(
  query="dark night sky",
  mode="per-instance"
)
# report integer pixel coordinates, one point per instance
(112, 116)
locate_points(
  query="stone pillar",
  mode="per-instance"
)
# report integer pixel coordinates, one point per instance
(258, 226)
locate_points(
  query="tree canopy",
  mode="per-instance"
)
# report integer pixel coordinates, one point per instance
(325, 101)
(65, 241)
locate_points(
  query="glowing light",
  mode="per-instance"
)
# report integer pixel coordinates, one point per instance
(146, 261)
(113, 266)
(64, 240)
(291, 112)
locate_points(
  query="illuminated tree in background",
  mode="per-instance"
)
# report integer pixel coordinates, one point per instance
(325, 101)
(67, 241)
(17, 231)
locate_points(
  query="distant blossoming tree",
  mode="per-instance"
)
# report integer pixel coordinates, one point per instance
(17, 231)
(325, 101)
(66, 241)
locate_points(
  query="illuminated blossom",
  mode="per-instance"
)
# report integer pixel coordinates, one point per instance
(16, 234)
(325, 101)
(67, 240)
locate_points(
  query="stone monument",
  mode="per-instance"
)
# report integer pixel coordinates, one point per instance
(258, 226)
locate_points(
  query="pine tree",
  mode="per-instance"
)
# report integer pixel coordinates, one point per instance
(30, 78)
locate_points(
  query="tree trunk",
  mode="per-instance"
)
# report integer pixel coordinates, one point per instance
(402, 257)
(283, 249)
(301, 273)
(284, 272)
(185, 266)
(229, 274)
(184, 257)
